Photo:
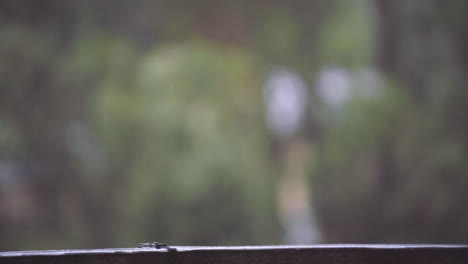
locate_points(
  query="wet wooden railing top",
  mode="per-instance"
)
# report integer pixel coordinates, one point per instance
(300, 254)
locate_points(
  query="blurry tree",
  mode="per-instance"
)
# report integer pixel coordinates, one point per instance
(195, 159)
(107, 146)
(38, 102)
(393, 170)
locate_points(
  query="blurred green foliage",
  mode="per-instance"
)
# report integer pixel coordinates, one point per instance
(193, 113)
(131, 121)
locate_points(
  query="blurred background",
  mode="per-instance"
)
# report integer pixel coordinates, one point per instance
(217, 122)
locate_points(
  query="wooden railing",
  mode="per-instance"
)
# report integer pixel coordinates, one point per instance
(318, 254)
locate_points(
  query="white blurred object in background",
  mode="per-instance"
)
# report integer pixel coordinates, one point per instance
(286, 99)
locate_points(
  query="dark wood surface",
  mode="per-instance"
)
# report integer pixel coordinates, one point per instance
(318, 254)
